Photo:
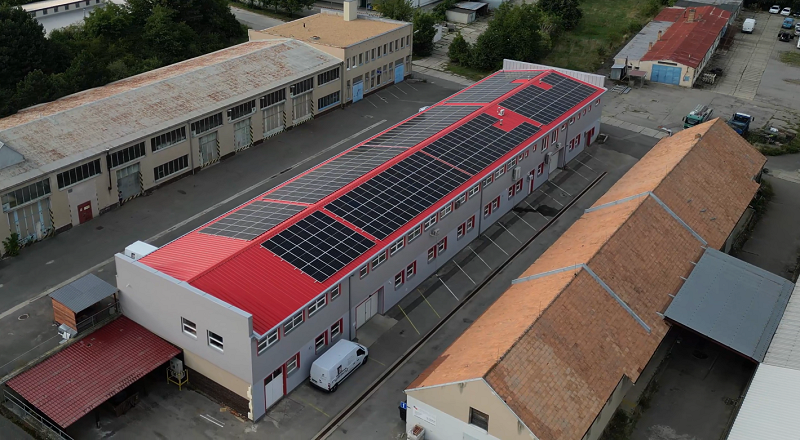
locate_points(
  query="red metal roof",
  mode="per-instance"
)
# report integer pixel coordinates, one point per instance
(671, 14)
(82, 376)
(686, 42)
(247, 276)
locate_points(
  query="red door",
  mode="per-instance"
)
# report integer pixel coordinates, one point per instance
(84, 212)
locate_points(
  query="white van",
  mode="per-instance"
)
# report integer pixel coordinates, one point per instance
(748, 25)
(333, 367)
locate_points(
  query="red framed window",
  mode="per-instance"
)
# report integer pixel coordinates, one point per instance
(336, 329)
(320, 342)
(444, 212)
(575, 142)
(526, 152)
(380, 259)
(518, 186)
(411, 270)
(511, 192)
(441, 246)
(431, 253)
(487, 210)
(461, 230)
(470, 223)
(429, 222)
(488, 181)
(597, 102)
(533, 147)
(584, 111)
(545, 143)
(590, 107)
(554, 136)
(460, 201)
(335, 292)
(474, 190)
(579, 116)
(563, 126)
(540, 169)
(416, 232)
(572, 120)
(521, 156)
(399, 279)
(396, 246)
(496, 203)
(499, 172)
(292, 364)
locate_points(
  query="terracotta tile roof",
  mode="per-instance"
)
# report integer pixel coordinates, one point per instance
(558, 357)
(687, 42)
(68, 385)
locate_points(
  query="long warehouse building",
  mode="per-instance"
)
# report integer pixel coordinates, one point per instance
(256, 295)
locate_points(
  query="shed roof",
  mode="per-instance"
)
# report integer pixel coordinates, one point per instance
(329, 28)
(784, 350)
(771, 407)
(732, 302)
(83, 292)
(586, 312)
(79, 378)
(57, 134)
(688, 42)
(639, 45)
(471, 6)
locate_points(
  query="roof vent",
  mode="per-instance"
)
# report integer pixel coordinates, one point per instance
(698, 136)
(660, 33)
(315, 38)
(650, 46)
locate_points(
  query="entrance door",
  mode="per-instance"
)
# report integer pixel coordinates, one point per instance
(554, 160)
(128, 182)
(399, 73)
(588, 137)
(273, 387)
(209, 151)
(367, 309)
(358, 91)
(242, 135)
(84, 212)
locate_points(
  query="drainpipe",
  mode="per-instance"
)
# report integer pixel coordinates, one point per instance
(108, 166)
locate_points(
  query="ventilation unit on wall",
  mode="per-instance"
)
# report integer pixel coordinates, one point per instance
(516, 173)
(434, 232)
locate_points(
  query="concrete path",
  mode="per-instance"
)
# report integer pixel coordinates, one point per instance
(254, 20)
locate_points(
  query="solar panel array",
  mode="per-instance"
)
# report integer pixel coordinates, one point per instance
(331, 176)
(546, 106)
(252, 220)
(318, 245)
(391, 199)
(477, 144)
(493, 87)
(423, 126)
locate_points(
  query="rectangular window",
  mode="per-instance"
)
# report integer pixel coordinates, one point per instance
(302, 106)
(396, 246)
(554, 136)
(348, 64)
(302, 86)
(55, 9)
(408, 39)
(366, 57)
(545, 143)
(326, 77)
(273, 98)
(336, 329)
(518, 186)
(488, 181)
(335, 292)
(460, 201)
(521, 156)
(168, 139)
(272, 338)
(385, 46)
(373, 54)
(499, 172)
(66, 7)
(170, 168)
(411, 270)
(44, 11)
(363, 271)
(511, 192)
(354, 61)
(379, 52)
(429, 222)
(402, 43)
(496, 203)
(470, 223)
(444, 212)
(572, 120)
(292, 364)
(360, 59)
(487, 210)
(320, 342)
(317, 305)
(125, 155)
(474, 190)
(78, 174)
(189, 327)
(563, 126)
(414, 233)
(328, 101)
(377, 261)
(461, 230)
(273, 119)
(511, 163)
(391, 47)
(26, 194)
(441, 246)
(399, 279)
(206, 124)
(292, 323)
(479, 419)
(242, 110)
(540, 169)
(215, 340)
(431, 253)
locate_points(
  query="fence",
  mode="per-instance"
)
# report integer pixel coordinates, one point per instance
(29, 416)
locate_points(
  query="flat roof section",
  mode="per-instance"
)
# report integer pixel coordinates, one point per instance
(329, 28)
(732, 302)
(770, 409)
(83, 292)
(79, 378)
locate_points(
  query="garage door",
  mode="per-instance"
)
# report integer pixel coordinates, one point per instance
(666, 74)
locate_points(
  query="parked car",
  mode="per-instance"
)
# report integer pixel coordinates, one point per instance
(775, 9)
(748, 25)
(788, 23)
(786, 12)
(336, 364)
(797, 29)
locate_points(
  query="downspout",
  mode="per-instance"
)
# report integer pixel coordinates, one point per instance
(108, 166)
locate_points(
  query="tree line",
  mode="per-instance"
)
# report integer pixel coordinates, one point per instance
(290, 7)
(114, 42)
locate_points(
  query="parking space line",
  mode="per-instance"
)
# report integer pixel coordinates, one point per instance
(498, 246)
(534, 210)
(562, 189)
(465, 272)
(596, 159)
(369, 101)
(429, 303)
(374, 360)
(410, 86)
(511, 233)
(446, 287)
(581, 175)
(398, 98)
(310, 405)
(523, 220)
(409, 319)
(587, 166)
(401, 89)
(479, 257)
(221, 425)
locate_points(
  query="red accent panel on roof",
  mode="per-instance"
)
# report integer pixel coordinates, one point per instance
(193, 254)
(74, 381)
(670, 14)
(688, 43)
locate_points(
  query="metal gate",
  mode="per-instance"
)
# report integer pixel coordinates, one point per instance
(32, 222)
(209, 149)
(399, 73)
(358, 91)
(129, 182)
(666, 74)
(242, 135)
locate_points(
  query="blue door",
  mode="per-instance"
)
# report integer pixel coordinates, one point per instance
(358, 91)
(399, 73)
(666, 74)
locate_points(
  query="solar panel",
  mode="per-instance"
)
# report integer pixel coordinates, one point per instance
(318, 245)
(477, 144)
(252, 220)
(423, 126)
(329, 177)
(493, 87)
(391, 199)
(546, 106)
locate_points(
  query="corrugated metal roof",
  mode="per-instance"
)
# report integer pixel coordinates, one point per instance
(83, 292)
(771, 408)
(57, 134)
(79, 378)
(784, 351)
(688, 43)
(471, 6)
(640, 44)
(247, 276)
(732, 302)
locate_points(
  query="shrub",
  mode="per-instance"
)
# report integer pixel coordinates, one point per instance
(459, 51)
(11, 245)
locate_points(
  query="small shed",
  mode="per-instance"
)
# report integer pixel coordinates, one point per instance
(466, 12)
(82, 299)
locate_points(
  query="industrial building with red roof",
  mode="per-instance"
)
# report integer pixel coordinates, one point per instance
(256, 295)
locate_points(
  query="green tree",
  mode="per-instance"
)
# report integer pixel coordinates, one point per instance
(23, 46)
(513, 33)
(169, 41)
(35, 88)
(423, 33)
(293, 6)
(460, 50)
(401, 10)
(567, 10)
